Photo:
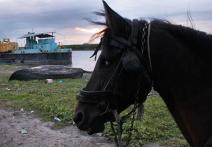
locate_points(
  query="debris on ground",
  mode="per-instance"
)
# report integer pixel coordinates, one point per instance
(56, 119)
(22, 109)
(49, 81)
(23, 131)
(61, 81)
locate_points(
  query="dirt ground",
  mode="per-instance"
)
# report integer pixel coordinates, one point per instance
(23, 129)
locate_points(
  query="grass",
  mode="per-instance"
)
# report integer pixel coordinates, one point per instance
(156, 126)
(59, 99)
(49, 100)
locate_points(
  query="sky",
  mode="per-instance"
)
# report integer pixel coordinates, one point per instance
(68, 17)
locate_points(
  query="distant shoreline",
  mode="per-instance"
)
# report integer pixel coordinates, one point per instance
(81, 47)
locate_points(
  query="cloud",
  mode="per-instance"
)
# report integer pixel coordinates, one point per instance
(18, 17)
(22, 14)
(90, 31)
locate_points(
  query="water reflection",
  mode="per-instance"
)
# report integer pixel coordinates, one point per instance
(81, 59)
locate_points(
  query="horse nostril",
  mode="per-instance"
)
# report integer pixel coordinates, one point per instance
(78, 117)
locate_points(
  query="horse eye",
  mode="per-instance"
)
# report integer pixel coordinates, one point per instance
(107, 62)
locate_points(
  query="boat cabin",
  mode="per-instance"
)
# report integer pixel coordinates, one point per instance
(40, 43)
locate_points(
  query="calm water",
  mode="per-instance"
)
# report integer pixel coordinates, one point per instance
(81, 59)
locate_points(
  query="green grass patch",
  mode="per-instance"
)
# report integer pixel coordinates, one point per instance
(156, 126)
(59, 99)
(50, 100)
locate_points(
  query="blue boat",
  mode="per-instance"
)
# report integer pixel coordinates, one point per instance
(40, 49)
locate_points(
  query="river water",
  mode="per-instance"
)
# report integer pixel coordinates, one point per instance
(81, 59)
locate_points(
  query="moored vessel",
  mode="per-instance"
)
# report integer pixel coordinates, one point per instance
(39, 49)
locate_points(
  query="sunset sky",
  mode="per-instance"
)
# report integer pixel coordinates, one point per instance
(67, 17)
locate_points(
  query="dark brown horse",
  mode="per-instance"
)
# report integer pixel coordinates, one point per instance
(136, 55)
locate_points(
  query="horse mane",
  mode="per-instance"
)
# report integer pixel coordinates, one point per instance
(198, 41)
(193, 34)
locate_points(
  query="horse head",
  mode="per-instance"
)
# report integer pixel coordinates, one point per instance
(120, 76)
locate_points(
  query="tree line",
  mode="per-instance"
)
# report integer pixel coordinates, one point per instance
(81, 46)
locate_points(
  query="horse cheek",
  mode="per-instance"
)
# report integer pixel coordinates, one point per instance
(131, 63)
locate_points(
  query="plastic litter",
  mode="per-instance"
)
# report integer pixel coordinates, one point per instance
(56, 119)
(24, 131)
(49, 81)
(61, 81)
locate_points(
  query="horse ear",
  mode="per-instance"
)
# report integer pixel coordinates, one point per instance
(131, 62)
(115, 22)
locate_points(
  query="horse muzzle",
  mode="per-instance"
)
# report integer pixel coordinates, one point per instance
(90, 114)
(91, 125)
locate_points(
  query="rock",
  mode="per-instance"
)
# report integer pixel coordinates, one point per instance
(47, 72)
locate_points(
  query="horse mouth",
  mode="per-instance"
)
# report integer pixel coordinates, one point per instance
(95, 127)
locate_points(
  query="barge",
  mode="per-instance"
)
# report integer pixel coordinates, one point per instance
(40, 49)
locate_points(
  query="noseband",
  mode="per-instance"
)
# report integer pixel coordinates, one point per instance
(93, 96)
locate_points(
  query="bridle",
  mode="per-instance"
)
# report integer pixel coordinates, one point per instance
(94, 97)
(107, 95)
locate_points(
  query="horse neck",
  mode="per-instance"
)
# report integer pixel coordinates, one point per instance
(178, 62)
(181, 71)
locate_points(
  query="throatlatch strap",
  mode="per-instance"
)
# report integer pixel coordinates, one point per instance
(134, 32)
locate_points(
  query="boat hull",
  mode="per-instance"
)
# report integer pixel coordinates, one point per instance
(55, 58)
